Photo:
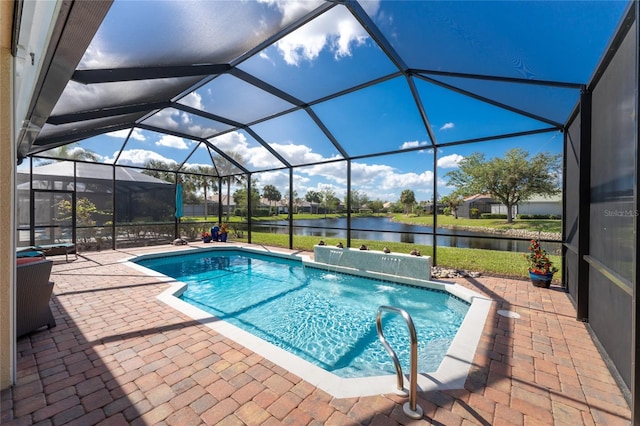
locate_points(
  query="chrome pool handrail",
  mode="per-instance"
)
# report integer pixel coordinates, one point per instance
(411, 408)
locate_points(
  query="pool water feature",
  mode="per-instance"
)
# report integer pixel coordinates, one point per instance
(324, 317)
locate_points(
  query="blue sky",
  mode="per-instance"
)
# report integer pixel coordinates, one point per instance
(554, 41)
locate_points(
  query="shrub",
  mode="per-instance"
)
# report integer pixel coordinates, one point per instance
(538, 216)
(474, 213)
(493, 216)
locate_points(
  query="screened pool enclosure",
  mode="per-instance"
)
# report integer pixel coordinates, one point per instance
(320, 107)
(332, 98)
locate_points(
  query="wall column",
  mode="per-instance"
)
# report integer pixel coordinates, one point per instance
(584, 208)
(7, 197)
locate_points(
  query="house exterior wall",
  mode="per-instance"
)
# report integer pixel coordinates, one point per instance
(7, 173)
(502, 209)
(551, 208)
(533, 207)
(465, 209)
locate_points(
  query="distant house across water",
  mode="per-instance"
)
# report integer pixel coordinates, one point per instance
(481, 202)
(537, 205)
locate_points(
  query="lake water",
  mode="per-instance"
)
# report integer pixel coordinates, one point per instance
(383, 229)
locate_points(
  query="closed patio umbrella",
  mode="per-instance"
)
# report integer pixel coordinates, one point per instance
(179, 212)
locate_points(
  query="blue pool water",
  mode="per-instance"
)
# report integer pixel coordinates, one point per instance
(322, 316)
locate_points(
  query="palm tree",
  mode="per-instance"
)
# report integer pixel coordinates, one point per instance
(72, 151)
(452, 201)
(313, 197)
(272, 194)
(407, 199)
(226, 169)
(189, 187)
(159, 170)
(206, 179)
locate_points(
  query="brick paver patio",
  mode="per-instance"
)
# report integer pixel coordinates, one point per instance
(120, 356)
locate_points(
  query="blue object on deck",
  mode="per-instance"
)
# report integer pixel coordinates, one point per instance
(28, 252)
(214, 233)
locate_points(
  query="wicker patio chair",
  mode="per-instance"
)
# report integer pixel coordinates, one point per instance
(33, 292)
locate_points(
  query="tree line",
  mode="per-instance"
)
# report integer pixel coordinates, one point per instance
(510, 179)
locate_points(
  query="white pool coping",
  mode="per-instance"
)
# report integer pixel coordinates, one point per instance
(451, 374)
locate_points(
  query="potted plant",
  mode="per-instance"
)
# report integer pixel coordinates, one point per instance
(541, 269)
(206, 237)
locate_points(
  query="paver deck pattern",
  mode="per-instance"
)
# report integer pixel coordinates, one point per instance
(120, 356)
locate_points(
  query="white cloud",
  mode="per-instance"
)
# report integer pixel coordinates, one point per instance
(136, 134)
(301, 46)
(447, 126)
(76, 150)
(195, 166)
(412, 144)
(138, 157)
(298, 154)
(408, 180)
(384, 182)
(165, 118)
(172, 142)
(449, 161)
(335, 171)
(367, 174)
(232, 141)
(378, 181)
(349, 32)
(299, 183)
(193, 100)
(173, 119)
(237, 142)
(265, 56)
(278, 178)
(259, 157)
(93, 56)
(336, 30)
(291, 9)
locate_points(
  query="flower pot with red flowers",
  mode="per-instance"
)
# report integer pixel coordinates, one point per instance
(206, 237)
(541, 269)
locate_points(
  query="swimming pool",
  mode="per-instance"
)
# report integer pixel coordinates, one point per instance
(323, 317)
